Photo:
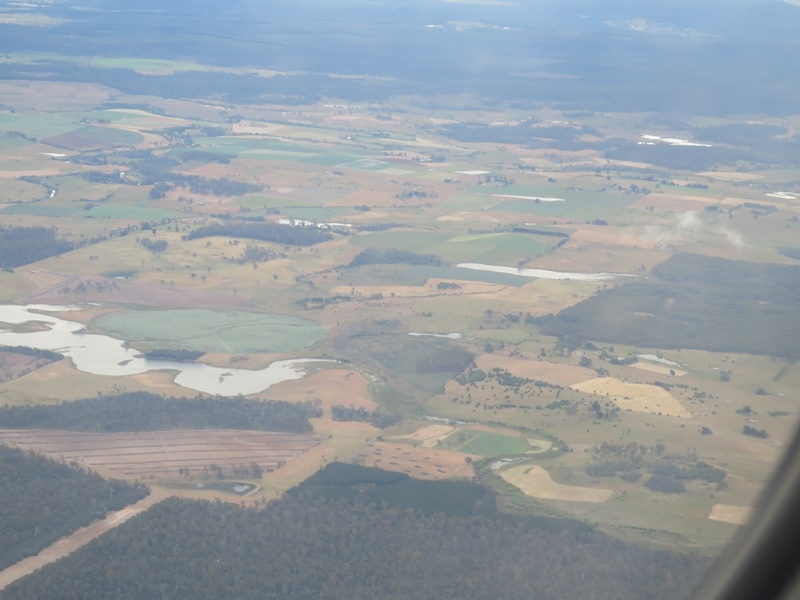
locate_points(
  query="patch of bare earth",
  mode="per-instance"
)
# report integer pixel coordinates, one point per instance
(637, 397)
(728, 513)
(330, 387)
(423, 463)
(165, 454)
(535, 481)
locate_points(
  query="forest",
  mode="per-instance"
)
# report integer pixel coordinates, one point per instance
(304, 547)
(143, 411)
(264, 232)
(42, 500)
(715, 304)
(23, 245)
(375, 256)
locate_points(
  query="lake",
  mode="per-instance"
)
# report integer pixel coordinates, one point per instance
(104, 355)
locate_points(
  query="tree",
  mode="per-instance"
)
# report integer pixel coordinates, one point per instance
(586, 362)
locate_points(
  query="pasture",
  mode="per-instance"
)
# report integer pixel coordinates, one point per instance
(91, 137)
(221, 331)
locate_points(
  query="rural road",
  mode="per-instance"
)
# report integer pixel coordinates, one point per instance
(72, 542)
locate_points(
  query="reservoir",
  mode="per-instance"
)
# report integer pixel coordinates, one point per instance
(104, 355)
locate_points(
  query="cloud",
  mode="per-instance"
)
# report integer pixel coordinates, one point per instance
(692, 226)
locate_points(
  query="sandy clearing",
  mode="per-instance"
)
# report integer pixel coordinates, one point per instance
(78, 539)
(728, 513)
(661, 369)
(535, 481)
(428, 435)
(422, 463)
(638, 397)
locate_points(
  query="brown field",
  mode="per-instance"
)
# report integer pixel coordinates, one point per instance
(161, 454)
(347, 387)
(422, 463)
(13, 365)
(730, 175)
(639, 397)
(428, 436)
(556, 373)
(535, 481)
(727, 513)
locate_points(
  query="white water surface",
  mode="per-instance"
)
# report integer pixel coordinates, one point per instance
(103, 355)
(542, 273)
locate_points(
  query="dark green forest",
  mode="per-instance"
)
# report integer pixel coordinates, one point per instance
(316, 549)
(42, 500)
(265, 232)
(698, 302)
(23, 245)
(143, 411)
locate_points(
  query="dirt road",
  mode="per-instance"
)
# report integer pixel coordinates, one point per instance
(72, 542)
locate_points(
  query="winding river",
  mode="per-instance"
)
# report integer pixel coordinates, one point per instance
(104, 355)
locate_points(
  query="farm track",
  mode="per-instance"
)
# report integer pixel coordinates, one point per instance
(75, 540)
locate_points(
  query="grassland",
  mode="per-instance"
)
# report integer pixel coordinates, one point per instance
(209, 330)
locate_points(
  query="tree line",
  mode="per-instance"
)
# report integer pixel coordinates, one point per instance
(264, 232)
(144, 411)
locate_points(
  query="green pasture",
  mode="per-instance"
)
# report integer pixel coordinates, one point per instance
(314, 213)
(121, 211)
(578, 204)
(37, 125)
(456, 273)
(493, 248)
(209, 330)
(92, 136)
(269, 149)
(10, 142)
(15, 190)
(40, 209)
(485, 443)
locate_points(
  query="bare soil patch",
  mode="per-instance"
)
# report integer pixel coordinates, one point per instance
(535, 481)
(428, 436)
(331, 387)
(13, 365)
(423, 463)
(728, 513)
(165, 454)
(556, 373)
(637, 397)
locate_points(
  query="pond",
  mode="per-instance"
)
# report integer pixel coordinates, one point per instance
(105, 355)
(542, 273)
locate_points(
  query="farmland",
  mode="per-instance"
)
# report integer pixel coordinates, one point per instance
(184, 454)
(162, 204)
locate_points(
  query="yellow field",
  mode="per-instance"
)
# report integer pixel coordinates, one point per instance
(428, 435)
(535, 481)
(639, 397)
(727, 513)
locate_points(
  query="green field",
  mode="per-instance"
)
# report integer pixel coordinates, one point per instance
(212, 330)
(577, 204)
(91, 136)
(486, 443)
(121, 211)
(494, 248)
